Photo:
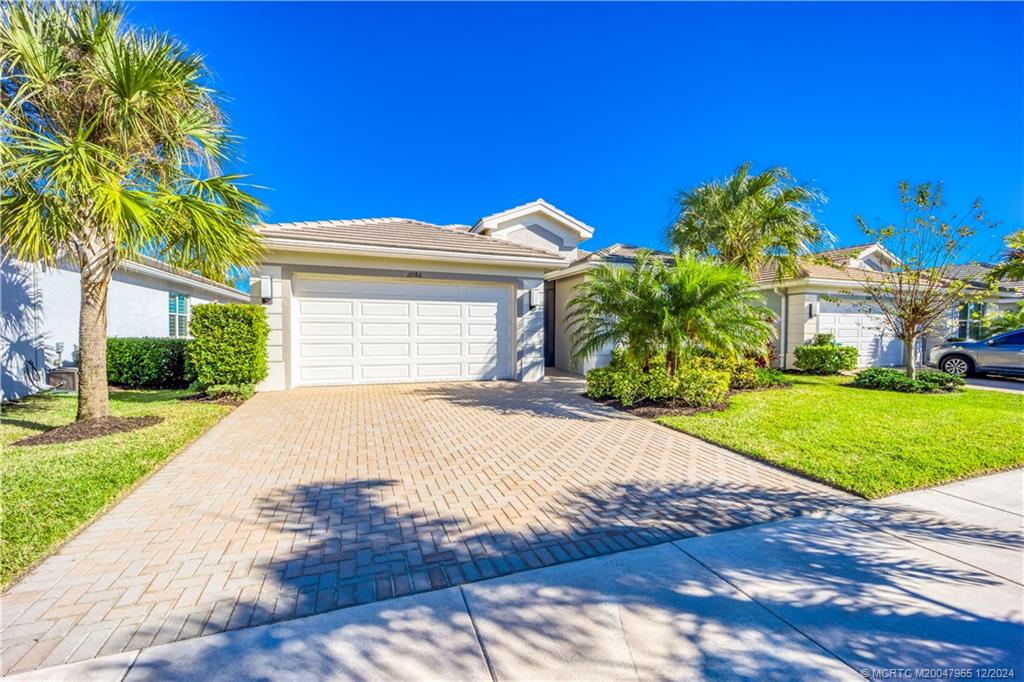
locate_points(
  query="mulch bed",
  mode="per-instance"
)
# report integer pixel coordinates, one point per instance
(89, 428)
(203, 398)
(650, 409)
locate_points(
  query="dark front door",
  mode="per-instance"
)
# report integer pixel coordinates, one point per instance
(549, 324)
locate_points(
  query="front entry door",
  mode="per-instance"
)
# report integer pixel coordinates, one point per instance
(549, 324)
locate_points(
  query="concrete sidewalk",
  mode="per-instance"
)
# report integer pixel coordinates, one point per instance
(931, 579)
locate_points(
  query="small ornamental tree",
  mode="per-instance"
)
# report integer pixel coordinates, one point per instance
(918, 293)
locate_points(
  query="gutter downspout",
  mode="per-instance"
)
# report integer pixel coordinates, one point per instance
(784, 335)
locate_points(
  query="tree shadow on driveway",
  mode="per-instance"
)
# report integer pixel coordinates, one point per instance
(857, 589)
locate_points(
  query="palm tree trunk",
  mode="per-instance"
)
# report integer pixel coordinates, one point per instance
(96, 269)
(908, 356)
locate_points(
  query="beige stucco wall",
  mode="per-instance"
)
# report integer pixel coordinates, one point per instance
(564, 292)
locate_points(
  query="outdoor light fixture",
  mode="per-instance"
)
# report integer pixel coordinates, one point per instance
(536, 298)
(266, 289)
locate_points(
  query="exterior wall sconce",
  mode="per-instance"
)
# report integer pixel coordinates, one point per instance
(810, 311)
(536, 298)
(266, 289)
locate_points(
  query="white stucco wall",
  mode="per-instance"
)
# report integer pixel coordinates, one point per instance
(137, 306)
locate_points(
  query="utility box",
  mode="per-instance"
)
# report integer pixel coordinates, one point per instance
(63, 378)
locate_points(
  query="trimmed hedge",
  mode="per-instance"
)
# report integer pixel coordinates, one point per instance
(888, 379)
(824, 356)
(694, 384)
(229, 344)
(148, 362)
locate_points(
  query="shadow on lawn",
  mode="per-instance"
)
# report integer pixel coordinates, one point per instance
(355, 542)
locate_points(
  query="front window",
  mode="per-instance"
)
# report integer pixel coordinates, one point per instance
(177, 314)
(971, 318)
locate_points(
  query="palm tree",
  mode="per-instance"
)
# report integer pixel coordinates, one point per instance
(1012, 268)
(750, 221)
(714, 308)
(618, 306)
(690, 305)
(112, 146)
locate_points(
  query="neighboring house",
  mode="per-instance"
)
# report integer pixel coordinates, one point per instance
(40, 312)
(825, 297)
(398, 300)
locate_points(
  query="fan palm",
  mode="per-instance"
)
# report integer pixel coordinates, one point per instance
(750, 221)
(112, 146)
(618, 306)
(712, 307)
(692, 304)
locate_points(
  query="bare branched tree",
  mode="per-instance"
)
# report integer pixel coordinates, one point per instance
(916, 296)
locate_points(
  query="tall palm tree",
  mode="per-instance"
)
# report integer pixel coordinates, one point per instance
(692, 304)
(112, 145)
(1012, 267)
(750, 221)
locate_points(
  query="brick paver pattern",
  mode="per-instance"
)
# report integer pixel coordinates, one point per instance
(315, 499)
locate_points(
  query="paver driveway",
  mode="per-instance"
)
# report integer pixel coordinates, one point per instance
(315, 499)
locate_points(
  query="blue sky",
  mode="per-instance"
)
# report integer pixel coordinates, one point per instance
(448, 112)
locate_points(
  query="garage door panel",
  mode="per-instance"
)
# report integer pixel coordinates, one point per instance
(387, 330)
(377, 372)
(386, 350)
(383, 309)
(452, 310)
(325, 350)
(325, 307)
(326, 329)
(325, 375)
(436, 349)
(446, 331)
(438, 370)
(356, 331)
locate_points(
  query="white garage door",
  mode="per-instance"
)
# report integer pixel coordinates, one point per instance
(852, 325)
(354, 331)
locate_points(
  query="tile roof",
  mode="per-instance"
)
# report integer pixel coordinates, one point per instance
(843, 253)
(181, 272)
(624, 254)
(401, 233)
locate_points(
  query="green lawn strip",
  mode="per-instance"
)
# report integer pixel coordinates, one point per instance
(48, 492)
(872, 443)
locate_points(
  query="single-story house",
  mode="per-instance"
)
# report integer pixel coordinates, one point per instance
(826, 297)
(40, 313)
(399, 300)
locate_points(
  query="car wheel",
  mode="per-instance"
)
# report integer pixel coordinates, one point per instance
(957, 365)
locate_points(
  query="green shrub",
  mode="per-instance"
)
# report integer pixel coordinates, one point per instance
(697, 386)
(825, 358)
(599, 382)
(888, 379)
(768, 377)
(230, 391)
(148, 362)
(742, 373)
(229, 344)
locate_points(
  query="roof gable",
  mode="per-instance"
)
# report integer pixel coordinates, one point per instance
(538, 207)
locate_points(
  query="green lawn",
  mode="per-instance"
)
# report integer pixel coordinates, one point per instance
(872, 443)
(50, 491)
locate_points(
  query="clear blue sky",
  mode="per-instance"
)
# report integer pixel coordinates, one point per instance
(447, 112)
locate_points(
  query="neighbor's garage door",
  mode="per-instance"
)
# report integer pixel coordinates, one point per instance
(852, 325)
(352, 331)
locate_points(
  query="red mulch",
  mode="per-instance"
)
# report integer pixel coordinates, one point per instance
(89, 428)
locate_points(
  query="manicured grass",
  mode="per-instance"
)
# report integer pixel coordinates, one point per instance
(872, 443)
(49, 491)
